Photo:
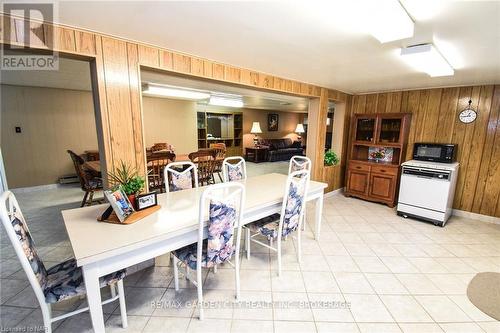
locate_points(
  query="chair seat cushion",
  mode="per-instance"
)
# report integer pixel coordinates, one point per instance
(267, 226)
(65, 280)
(188, 255)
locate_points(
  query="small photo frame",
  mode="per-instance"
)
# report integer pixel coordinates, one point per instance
(273, 122)
(119, 201)
(147, 200)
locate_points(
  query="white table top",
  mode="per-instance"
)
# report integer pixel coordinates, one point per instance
(178, 214)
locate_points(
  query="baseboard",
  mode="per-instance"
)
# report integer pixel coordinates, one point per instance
(34, 188)
(334, 192)
(475, 216)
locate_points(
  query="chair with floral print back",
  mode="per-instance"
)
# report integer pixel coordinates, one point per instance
(180, 176)
(58, 283)
(234, 168)
(278, 226)
(297, 163)
(224, 204)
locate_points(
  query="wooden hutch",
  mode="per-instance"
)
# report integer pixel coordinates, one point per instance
(221, 127)
(377, 149)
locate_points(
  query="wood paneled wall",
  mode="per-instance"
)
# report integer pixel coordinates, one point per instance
(116, 66)
(435, 119)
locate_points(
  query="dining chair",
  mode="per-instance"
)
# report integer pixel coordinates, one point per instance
(58, 283)
(298, 162)
(224, 205)
(89, 181)
(220, 154)
(234, 168)
(156, 163)
(278, 226)
(205, 159)
(180, 176)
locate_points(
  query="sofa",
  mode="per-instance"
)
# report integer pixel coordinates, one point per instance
(281, 149)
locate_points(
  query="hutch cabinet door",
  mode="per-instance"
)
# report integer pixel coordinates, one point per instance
(382, 186)
(389, 130)
(365, 128)
(357, 182)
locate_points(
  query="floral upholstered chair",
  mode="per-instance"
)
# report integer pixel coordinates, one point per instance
(234, 168)
(300, 163)
(180, 176)
(225, 204)
(278, 226)
(58, 283)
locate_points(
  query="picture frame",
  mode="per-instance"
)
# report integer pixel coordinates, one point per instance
(120, 203)
(146, 200)
(273, 122)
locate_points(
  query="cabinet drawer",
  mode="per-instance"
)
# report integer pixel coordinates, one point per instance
(358, 166)
(385, 170)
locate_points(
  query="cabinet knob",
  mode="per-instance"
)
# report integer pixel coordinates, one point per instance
(358, 167)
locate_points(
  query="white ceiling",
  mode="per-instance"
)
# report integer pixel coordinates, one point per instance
(321, 42)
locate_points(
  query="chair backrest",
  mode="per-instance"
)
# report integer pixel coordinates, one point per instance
(220, 149)
(234, 168)
(292, 210)
(159, 146)
(299, 163)
(205, 159)
(80, 172)
(24, 246)
(180, 176)
(225, 203)
(156, 163)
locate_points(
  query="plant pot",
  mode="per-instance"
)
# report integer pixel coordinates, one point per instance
(132, 200)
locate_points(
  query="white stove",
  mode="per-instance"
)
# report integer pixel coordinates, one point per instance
(426, 190)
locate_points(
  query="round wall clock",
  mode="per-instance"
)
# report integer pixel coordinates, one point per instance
(468, 115)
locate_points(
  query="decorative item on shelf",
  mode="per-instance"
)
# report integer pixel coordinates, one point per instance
(255, 130)
(128, 180)
(273, 122)
(468, 115)
(147, 200)
(331, 158)
(299, 130)
(120, 204)
(380, 154)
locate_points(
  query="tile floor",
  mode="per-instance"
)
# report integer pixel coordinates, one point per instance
(370, 272)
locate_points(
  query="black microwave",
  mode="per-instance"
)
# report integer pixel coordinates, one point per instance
(434, 152)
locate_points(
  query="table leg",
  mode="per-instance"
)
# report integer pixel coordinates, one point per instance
(318, 216)
(91, 278)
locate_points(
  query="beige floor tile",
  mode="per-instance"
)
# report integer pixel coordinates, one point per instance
(251, 326)
(320, 282)
(399, 265)
(368, 309)
(404, 308)
(289, 281)
(386, 283)
(292, 306)
(420, 328)
(378, 328)
(418, 284)
(314, 263)
(323, 327)
(294, 327)
(254, 305)
(353, 283)
(470, 309)
(427, 265)
(371, 265)
(461, 328)
(442, 309)
(448, 283)
(342, 264)
(490, 327)
(166, 324)
(135, 324)
(330, 308)
(209, 326)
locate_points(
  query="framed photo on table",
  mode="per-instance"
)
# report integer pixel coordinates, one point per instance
(273, 122)
(147, 200)
(120, 204)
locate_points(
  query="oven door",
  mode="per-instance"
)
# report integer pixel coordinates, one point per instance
(425, 188)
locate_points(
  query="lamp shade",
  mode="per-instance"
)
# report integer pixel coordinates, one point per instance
(255, 128)
(299, 129)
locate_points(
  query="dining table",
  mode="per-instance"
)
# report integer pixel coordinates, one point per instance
(101, 248)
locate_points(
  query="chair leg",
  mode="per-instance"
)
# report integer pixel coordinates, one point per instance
(215, 269)
(84, 198)
(304, 218)
(299, 242)
(247, 243)
(46, 318)
(200, 292)
(220, 177)
(237, 275)
(123, 306)
(176, 274)
(91, 197)
(279, 256)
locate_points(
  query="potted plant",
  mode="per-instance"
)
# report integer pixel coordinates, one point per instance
(331, 158)
(128, 180)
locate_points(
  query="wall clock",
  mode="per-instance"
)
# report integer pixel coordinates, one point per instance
(468, 115)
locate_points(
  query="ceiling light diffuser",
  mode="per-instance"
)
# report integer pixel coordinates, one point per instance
(167, 91)
(389, 21)
(233, 102)
(426, 58)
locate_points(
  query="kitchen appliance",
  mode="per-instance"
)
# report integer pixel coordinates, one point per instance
(426, 190)
(434, 152)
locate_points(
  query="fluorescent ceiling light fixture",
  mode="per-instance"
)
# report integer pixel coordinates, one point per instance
(388, 21)
(230, 101)
(174, 92)
(426, 58)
